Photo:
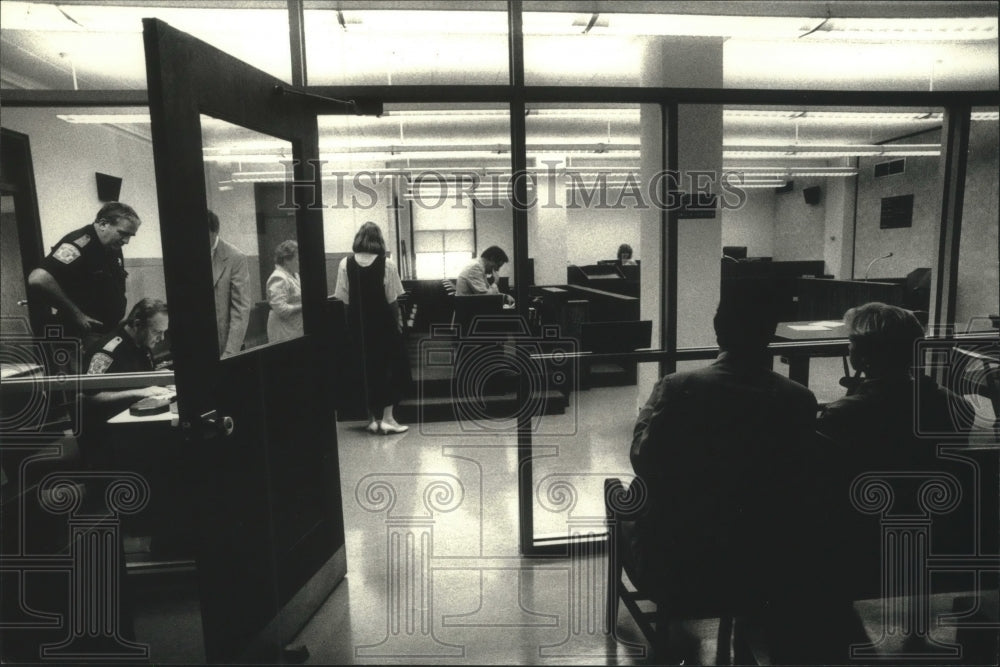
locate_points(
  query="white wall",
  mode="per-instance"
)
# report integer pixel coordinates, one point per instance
(595, 234)
(799, 227)
(752, 225)
(65, 158)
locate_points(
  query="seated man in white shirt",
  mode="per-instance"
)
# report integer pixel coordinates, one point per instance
(479, 277)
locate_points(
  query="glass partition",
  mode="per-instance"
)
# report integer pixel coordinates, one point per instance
(99, 46)
(255, 260)
(834, 207)
(377, 46)
(632, 44)
(434, 178)
(596, 192)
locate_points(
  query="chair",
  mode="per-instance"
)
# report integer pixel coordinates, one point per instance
(649, 613)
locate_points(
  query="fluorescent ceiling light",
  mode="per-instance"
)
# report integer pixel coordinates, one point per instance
(828, 150)
(763, 27)
(104, 118)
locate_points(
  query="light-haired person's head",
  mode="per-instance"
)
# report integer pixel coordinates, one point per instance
(286, 254)
(148, 321)
(116, 223)
(369, 239)
(882, 338)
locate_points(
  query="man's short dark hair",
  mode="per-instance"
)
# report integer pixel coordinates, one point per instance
(143, 311)
(746, 318)
(115, 211)
(495, 254)
(213, 222)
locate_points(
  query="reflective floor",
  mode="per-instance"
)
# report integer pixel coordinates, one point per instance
(434, 574)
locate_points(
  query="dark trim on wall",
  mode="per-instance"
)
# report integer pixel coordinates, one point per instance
(14, 97)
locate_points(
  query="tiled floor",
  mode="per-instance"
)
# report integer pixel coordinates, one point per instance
(434, 574)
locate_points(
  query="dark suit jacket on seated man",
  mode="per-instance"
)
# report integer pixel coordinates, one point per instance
(892, 420)
(723, 452)
(719, 450)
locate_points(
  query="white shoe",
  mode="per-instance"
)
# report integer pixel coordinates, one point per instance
(388, 428)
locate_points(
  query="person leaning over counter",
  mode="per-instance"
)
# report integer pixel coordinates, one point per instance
(127, 349)
(479, 276)
(83, 278)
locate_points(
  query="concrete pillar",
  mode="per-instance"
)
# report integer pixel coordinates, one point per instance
(684, 62)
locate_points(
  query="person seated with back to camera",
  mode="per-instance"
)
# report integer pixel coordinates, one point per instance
(722, 452)
(725, 453)
(892, 419)
(479, 276)
(890, 402)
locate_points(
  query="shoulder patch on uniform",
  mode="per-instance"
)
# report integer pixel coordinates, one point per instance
(112, 344)
(67, 253)
(82, 241)
(99, 363)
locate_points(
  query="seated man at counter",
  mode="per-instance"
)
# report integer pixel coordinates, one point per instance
(892, 419)
(127, 349)
(479, 277)
(723, 452)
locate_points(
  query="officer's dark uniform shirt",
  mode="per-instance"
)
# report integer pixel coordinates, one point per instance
(118, 353)
(91, 275)
(114, 353)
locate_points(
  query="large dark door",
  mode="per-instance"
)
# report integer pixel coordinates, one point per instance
(258, 426)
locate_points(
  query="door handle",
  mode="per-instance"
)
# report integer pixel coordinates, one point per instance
(215, 425)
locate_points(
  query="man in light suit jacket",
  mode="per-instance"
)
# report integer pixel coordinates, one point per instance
(231, 277)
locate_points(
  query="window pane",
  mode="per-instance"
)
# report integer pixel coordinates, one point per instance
(459, 241)
(248, 194)
(454, 262)
(424, 242)
(430, 265)
(94, 47)
(407, 47)
(813, 213)
(399, 171)
(733, 45)
(594, 166)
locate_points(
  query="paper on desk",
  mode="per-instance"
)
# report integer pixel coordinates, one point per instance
(828, 324)
(807, 327)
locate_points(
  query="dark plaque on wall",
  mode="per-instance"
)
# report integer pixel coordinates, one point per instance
(897, 212)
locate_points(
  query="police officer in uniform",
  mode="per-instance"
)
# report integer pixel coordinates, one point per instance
(82, 281)
(127, 349)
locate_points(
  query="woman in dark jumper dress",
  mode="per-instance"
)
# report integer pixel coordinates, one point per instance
(368, 282)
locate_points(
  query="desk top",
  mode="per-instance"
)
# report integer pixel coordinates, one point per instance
(810, 330)
(126, 417)
(18, 369)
